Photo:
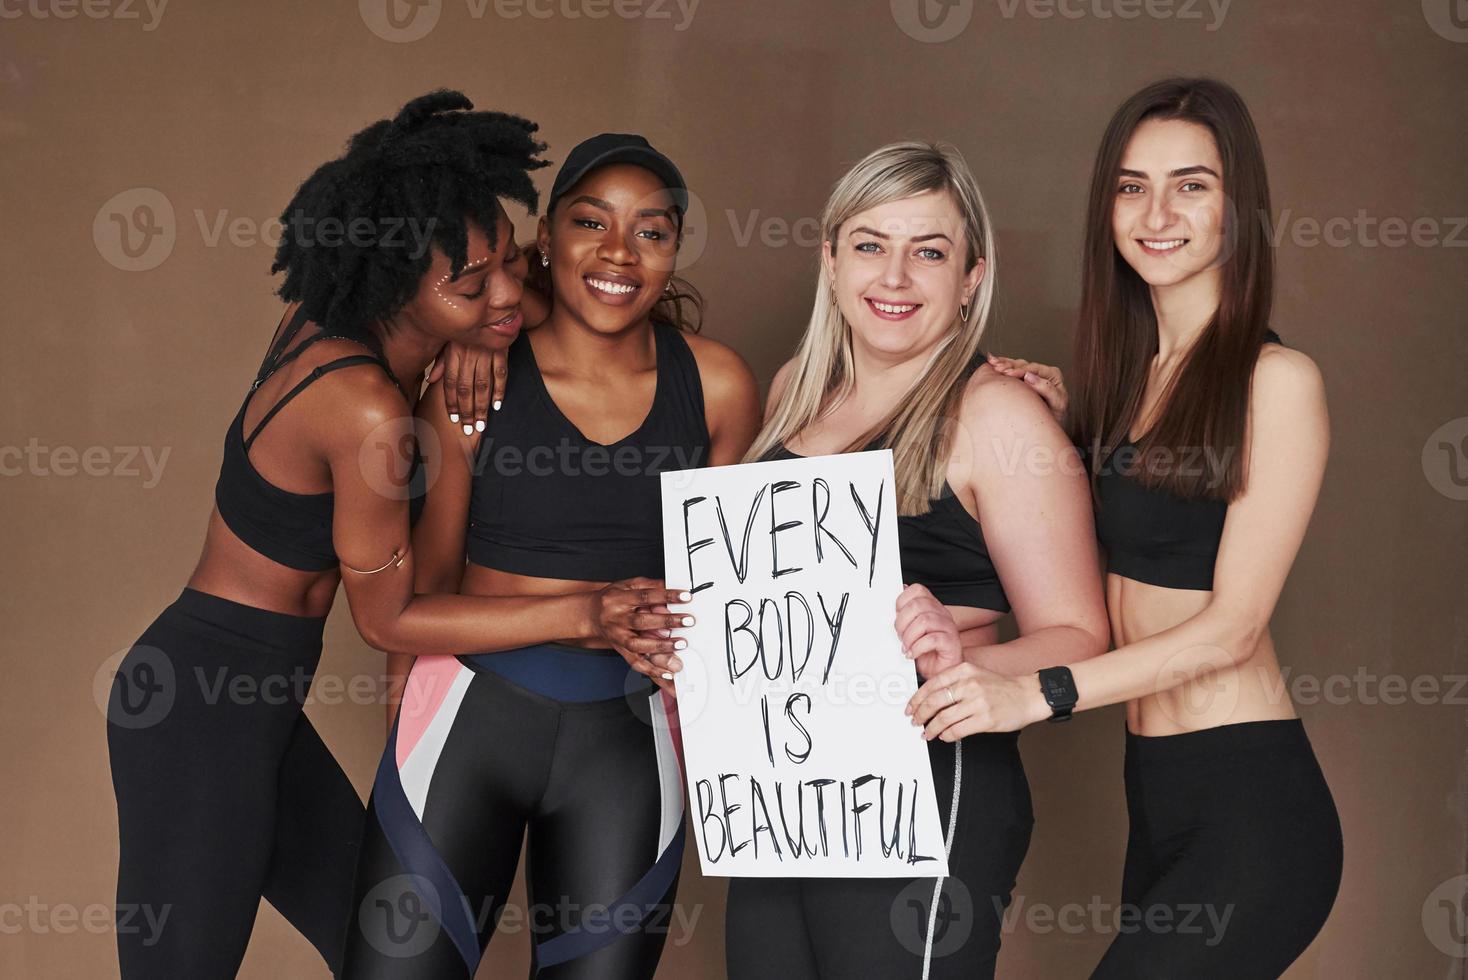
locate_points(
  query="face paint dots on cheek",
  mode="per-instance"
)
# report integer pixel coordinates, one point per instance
(438, 290)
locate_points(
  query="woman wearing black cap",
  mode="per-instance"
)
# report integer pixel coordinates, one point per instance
(571, 743)
(225, 793)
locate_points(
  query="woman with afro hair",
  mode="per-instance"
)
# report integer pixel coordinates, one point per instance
(225, 793)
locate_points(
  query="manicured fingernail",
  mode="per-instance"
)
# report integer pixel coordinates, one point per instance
(667, 676)
(685, 597)
(687, 620)
(479, 425)
(468, 430)
(680, 644)
(454, 417)
(497, 404)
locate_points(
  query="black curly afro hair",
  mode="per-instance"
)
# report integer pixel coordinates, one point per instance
(356, 236)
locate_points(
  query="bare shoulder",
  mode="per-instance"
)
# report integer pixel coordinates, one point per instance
(721, 368)
(994, 402)
(1284, 376)
(780, 382)
(355, 400)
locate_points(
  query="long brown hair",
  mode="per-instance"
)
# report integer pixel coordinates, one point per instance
(1203, 410)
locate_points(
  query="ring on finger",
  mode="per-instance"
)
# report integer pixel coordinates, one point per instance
(951, 699)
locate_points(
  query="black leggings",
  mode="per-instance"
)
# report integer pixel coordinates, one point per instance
(839, 928)
(225, 793)
(1234, 854)
(558, 741)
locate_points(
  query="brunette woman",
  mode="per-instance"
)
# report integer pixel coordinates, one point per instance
(1206, 440)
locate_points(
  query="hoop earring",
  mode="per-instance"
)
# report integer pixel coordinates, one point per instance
(963, 312)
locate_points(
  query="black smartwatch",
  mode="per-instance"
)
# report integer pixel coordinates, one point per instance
(1059, 689)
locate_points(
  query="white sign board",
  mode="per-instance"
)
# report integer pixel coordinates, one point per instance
(799, 758)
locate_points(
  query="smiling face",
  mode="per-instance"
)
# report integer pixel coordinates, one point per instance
(1167, 220)
(480, 305)
(899, 272)
(613, 243)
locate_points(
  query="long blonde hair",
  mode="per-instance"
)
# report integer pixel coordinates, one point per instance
(822, 374)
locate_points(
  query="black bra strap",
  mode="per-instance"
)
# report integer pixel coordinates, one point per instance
(268, 366)
(351, 360)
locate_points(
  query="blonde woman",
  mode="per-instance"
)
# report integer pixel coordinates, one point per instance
(891, 359)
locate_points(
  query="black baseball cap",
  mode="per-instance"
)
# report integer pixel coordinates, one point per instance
(617, 148)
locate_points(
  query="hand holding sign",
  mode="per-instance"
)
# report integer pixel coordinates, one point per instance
(928, 630)
(801, 761)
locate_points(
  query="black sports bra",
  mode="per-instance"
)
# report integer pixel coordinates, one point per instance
(944, 550)
(548, 502)
(1152, 535)
(293, 529)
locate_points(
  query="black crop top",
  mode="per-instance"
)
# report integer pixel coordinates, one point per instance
(944, 550)
(546, 501)
(1152, 535)
(293, 529)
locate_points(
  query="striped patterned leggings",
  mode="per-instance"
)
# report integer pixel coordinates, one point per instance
(568, 745)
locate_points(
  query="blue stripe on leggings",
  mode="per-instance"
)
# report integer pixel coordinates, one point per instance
(646, 894)
(562, 673)
(416, 853)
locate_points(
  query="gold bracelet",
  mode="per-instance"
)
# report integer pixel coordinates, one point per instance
(393, 562)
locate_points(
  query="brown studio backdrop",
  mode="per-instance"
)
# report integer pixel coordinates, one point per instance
(225, 108)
